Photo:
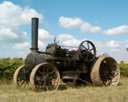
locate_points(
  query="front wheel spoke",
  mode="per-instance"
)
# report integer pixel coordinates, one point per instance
(49, 84)
(88, 45)
(44, 86)
(46, 77)
(52, 74)
(84, 47)
(40, 73)
(90, 50)
(46, 70)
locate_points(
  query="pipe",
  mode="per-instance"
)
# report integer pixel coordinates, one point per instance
(34, 31)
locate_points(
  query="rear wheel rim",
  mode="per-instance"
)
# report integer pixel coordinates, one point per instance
(105, 76)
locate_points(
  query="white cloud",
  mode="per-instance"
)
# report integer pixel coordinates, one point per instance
(41, 44)
(68, 40)
(75, 22)
(44, 35)
(116, 49)
(44, 38)
(86, 27)
(24, 45)
(78, 23)
(113, 44)
(12, 18)
(123, 29)
(7, 33)
(12, 15)
(70, 22)
(28, 13)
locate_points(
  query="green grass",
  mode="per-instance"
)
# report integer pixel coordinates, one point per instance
(8, 93)
(124, 69)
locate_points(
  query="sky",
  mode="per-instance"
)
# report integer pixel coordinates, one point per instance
(105, 22)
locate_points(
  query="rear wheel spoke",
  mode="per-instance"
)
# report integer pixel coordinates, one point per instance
(20, 78)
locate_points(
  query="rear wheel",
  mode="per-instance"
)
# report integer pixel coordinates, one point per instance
(20, 78)
(105, 72)
(45, 76)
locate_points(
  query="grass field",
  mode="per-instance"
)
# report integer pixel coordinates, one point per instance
(8, 93)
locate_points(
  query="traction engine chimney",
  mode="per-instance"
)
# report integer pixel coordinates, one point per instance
(34, 31)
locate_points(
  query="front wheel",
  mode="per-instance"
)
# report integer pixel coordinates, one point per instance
(44, 76)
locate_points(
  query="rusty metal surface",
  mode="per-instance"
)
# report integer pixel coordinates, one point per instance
(96, 74)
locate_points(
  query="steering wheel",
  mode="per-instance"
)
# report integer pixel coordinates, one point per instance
(87, 50)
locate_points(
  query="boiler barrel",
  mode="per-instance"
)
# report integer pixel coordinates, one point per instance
(34, 39)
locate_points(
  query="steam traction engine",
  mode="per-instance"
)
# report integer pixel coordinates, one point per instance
(45, 70)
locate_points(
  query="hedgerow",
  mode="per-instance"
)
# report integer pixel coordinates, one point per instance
(8, 67)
